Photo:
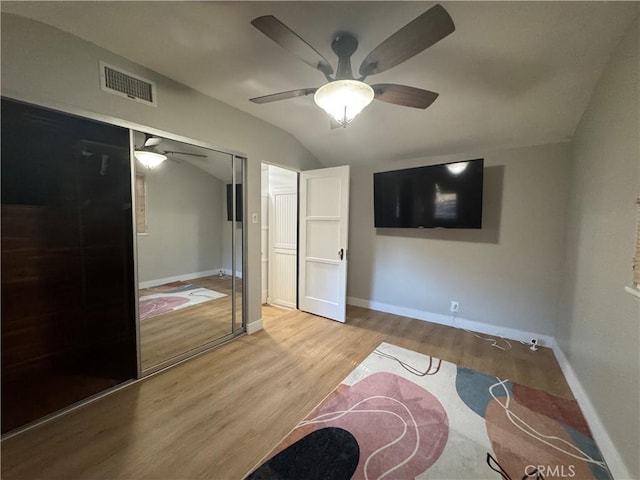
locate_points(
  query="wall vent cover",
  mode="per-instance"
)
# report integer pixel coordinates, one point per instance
(125, 84)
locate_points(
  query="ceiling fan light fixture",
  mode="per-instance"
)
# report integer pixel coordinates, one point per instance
(151, 141)
(344, 99)
(149, 159)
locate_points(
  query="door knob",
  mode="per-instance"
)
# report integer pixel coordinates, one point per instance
(341, 253)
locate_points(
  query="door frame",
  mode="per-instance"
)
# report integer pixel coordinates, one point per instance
(272, 247)
(269, 233)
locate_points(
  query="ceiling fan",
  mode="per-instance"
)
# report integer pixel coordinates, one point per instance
(344, 96)
(151, 156)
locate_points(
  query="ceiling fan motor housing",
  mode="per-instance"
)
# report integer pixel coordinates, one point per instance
(347, 93)
(344, 45)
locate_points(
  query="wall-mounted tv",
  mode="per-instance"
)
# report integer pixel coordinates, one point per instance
(435, 196)
(238, 202)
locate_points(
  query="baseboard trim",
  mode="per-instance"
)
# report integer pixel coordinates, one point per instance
(286, 305)
(609, 452)
(615, 463)
(177, 278)
(253, 327)
(227, 272)
(479, 327)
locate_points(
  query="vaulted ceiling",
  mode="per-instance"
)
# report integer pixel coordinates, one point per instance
(512, 73)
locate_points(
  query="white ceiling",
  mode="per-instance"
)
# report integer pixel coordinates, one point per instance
(512, 74)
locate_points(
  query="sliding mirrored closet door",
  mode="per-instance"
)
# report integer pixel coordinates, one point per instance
(68, 298)
(113, 264)
(189, 248)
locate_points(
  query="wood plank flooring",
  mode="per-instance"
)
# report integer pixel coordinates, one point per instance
(170, 334)
(217, 415)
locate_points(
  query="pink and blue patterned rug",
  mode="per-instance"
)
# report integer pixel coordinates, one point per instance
(402, 414)
(173, 296)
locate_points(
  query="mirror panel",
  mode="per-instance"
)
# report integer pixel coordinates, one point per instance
(184, 249)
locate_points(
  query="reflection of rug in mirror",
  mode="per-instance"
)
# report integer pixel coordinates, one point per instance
(401, 414)
(173, 296)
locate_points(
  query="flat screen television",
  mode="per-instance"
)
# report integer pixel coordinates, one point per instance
(435, 196)
(238, 202)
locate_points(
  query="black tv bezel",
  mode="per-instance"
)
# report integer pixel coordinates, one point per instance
(238, 202)
(469, 226)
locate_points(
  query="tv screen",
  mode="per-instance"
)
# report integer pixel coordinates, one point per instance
(238, 202)
(447, 195)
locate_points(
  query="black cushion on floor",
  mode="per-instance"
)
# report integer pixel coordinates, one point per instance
(329, 453)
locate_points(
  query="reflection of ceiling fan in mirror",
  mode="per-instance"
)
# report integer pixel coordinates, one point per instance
(344, 96)
(150, 156)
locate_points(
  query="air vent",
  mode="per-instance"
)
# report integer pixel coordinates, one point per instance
(125, 84)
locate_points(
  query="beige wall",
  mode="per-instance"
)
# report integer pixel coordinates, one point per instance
(507, 275)
(46, 66)
(599, 331)
(184, 214)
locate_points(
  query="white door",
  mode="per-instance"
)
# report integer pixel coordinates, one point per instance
(324, 228)
(283, 245)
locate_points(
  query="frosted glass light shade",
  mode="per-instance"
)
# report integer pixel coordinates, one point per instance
(149, 159)
(343, 99)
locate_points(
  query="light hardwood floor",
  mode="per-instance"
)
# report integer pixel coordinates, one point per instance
(170, 334)
(217, 415)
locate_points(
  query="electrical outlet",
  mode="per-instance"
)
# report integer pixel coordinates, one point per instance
(455, 306)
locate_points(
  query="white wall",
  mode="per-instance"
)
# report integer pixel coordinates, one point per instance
(183, 213)
(508, 274)
(599, 331)
(281, 177)
(46, 66)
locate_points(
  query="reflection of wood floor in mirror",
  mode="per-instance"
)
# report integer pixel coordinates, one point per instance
(164, 336)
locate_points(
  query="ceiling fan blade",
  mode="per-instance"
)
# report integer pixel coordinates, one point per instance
(418, 35)
(291, 41)
(404, 95)
(274, 97)
(186, 153)
(151, 141)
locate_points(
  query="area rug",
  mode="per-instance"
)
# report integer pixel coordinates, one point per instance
(173, 296)
(401, 415)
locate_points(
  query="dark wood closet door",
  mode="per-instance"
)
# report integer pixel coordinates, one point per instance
(68, 315)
